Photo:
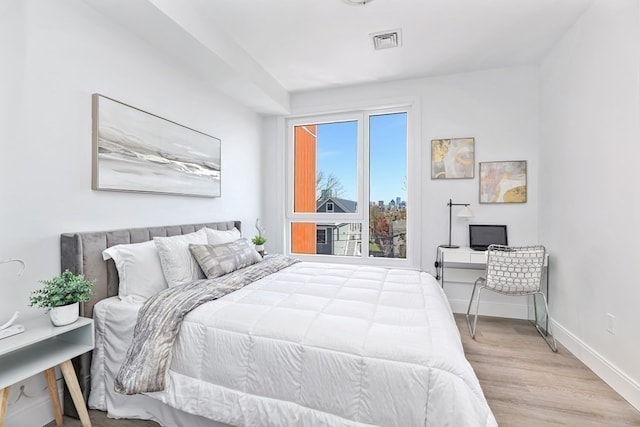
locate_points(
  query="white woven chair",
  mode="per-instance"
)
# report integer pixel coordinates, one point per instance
(514, 270)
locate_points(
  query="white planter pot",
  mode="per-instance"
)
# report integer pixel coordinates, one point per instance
(64, 315)
(260, 249)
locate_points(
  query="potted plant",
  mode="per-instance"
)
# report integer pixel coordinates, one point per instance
(259, 241)
(60, 296)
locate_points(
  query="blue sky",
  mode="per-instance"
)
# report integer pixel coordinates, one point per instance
(337, 154)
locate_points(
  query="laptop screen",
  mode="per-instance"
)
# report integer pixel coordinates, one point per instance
(481, 236)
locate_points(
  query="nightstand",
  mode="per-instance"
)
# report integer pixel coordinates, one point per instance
(40, 348)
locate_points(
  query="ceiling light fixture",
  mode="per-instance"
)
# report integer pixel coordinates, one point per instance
(386, 39)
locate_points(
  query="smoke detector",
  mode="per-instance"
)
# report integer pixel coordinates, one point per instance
(357, 2)
(387, 39)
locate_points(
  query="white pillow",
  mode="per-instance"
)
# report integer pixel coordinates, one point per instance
(218, 237)
(139, 270)
(178, 265)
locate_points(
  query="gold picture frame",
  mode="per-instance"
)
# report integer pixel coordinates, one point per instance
(453, 158)
(503, 182)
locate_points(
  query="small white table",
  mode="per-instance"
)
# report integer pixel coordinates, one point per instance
(40, 348)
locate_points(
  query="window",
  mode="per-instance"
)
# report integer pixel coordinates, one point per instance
(321, 236)
(387, 184)
(348, 185)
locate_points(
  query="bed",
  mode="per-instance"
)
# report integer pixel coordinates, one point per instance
(311, 344)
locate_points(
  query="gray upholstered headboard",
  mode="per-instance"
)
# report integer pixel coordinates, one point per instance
(81, 253)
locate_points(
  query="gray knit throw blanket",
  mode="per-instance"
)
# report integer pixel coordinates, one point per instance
(159, 321)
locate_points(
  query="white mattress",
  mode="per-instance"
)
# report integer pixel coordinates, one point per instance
(314, 344)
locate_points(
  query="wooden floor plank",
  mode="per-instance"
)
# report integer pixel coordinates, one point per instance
(528, 385)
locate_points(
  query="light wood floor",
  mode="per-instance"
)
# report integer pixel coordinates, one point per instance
(99, 419)
(524, 382)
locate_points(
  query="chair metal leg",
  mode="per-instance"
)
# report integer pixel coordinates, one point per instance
(550, 342)
(472, 330)
(473, 292)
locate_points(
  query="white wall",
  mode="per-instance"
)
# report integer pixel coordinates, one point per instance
(497, 107)
(589, 197)
(54, 55)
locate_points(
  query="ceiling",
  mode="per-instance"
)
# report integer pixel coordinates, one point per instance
(285, 46)
(312, 44)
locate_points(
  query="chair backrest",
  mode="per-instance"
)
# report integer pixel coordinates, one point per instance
(515, 269)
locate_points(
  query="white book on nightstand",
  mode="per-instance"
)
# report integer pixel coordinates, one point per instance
(11, 330)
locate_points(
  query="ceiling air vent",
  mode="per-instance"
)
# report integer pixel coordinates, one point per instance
(387, 39)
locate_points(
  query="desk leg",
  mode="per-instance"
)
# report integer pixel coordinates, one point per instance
(4, 401)
(74, 388)
(441, 269)
(50, 375)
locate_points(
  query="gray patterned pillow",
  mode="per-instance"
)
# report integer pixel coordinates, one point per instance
(217, 260)
(178, 265)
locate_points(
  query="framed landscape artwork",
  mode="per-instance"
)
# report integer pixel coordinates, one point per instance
(452, 158)
(503, 182)
(137, 151)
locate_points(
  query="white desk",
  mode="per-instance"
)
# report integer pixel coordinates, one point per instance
(40, 348)
(464, 265)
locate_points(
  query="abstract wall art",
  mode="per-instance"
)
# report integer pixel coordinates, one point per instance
(503, 182)
(137, 151)
(452, 158)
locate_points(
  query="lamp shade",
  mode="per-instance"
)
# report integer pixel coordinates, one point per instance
(465, 213)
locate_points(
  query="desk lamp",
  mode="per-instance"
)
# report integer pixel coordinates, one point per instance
(464, 213)
(10, 328)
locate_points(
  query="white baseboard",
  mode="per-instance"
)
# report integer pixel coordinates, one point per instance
(38, 412)
(624, 385)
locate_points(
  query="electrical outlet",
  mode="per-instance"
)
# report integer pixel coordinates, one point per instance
(611, 323)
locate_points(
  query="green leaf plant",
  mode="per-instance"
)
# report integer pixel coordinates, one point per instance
(61, 290)
(258, 240)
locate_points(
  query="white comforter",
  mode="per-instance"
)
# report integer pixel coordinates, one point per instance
(315, 344)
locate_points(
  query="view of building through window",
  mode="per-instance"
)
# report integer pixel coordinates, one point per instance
(388, 185)
(326, 181)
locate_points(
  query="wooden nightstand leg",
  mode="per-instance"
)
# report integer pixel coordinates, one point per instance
(50, 375)
(4, 401)
(74, 389)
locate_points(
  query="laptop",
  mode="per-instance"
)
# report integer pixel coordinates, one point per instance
(481, 236)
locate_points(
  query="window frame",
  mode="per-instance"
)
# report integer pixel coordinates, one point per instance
(361, 115)
(323, 216)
